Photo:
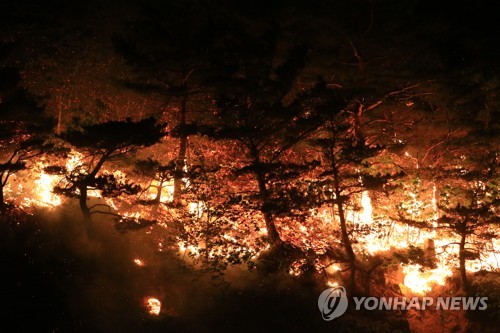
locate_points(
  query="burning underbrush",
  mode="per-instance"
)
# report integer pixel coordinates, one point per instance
(215, 232)
(218, 232)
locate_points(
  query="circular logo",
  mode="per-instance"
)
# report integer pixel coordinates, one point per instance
(332, 303)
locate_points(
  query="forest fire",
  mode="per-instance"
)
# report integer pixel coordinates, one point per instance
(190, 250)
(153, 305)
(36, 188)
(166, 191)
(44, 187)
(139, 262)
(259, 150)
(418, 279)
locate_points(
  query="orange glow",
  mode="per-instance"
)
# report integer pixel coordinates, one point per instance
(139, 262)
(44, 186)
(74, 160)
(367, 209)
(190, 249)
(153, 305)
(332, 284)
(167, 191)
(374, 233)
(37, 192)
(296, 267)
(196, 209)
(420, 282)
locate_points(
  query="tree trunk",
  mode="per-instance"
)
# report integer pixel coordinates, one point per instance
(462, 259)
(2, 202)
(83, 187)
(272, 232)
(157, 199)
(351, 256)
(98, 166)
(59, 111)
(488, 118)
(83, 204)
(181, 157)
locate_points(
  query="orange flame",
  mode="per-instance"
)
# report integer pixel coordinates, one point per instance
(139, 262)
(153, 305)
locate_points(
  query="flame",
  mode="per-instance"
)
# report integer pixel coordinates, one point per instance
(74, 159)
(332, 269)
(167, 188)
(420, 282)
(139, 262)
(315, 235)
(367, 209)
(43, 195)
(196, 209)
(38, 192)
(296, 267)
(417, 280)
(190, 249)
(167, 191)
(332, 284)
(43, 190)
(153, 305)
(132, 215)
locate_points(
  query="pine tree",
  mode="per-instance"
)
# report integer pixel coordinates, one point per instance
(103, 142)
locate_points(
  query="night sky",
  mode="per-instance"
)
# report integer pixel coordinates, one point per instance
(69, 46)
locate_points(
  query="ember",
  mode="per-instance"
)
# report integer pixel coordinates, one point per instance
(153, 305)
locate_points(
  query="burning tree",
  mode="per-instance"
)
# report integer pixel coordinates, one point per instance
(259, 109)
(218, 230)
(158, 173)
(169, 61)
(101, 143)
(24, 130)
(471, 213)
(348, 171)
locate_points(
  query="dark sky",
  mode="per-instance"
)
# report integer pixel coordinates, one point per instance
(399, 42)
(460, 32)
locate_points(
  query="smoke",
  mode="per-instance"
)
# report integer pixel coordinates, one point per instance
(61, 276)
(85, 279)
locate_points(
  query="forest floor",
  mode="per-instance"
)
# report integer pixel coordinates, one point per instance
(57, 278)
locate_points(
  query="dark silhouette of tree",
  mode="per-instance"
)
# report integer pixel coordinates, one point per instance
(469, 209)
(349, 168)
(260, 107)
(101, 143)
(154, 170)
(168, 48)
(222, 234)
(466, 206)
